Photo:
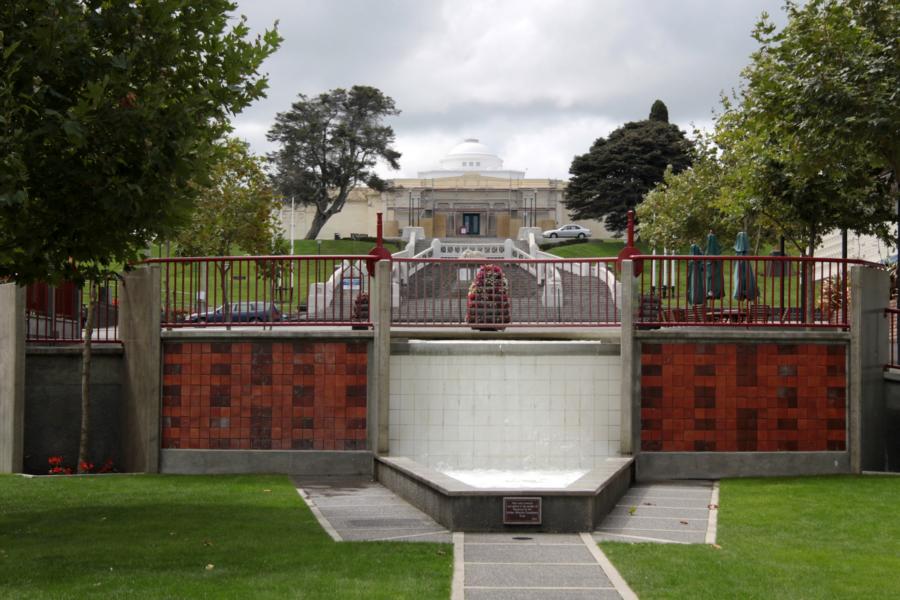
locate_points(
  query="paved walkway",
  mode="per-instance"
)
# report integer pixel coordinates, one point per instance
(545, 566)
(526, 566)
(678, 512)
(360, 510)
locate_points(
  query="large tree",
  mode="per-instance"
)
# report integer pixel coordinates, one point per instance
(614, 175)
(331, 144)
(815, 129)
(109, 111)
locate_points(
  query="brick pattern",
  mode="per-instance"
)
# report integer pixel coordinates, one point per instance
(743, 397)
(264, 395)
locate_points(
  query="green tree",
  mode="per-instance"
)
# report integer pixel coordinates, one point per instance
(331, 144)
(684, 207)
(614, 175)
(818, 120)
(109, 111)
(235, 209)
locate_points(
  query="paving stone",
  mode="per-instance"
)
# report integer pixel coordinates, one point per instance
(671, 502)
(637, 523)
(546, 594)
(659, 511)
(523, 538)
(544, 576)
(405, 535)
(385, 523)
(527, 553)
(631, 535)
(394, 510)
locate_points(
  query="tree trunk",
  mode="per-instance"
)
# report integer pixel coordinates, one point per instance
(317, 224)
(809, 279)
(86, 379)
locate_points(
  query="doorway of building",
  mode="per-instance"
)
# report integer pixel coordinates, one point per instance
(471, 223)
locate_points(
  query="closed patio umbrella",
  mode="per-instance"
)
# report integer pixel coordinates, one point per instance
(744, 280)
(715, 279)
(696, 278)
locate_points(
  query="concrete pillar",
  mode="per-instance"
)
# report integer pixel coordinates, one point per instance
(139, 319)
(869, 293)
(630, 432)
(380, 360)
(12, 377)
(436, 248)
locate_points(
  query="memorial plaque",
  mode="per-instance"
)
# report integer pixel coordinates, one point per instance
(521, 510)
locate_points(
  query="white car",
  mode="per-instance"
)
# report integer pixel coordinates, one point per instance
(569, 231)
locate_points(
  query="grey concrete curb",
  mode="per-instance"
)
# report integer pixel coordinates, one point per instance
(712, 526)
(457, 589)
(326, 525)
(608, 568)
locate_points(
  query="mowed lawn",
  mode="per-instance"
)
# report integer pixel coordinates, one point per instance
(817, 537)
(153, 536)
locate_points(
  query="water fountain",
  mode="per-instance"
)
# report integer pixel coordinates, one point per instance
(492, 436)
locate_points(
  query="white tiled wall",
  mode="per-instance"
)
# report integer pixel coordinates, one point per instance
(505, 412)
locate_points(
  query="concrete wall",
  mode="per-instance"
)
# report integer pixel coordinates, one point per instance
(139, 318)
(869, 291)
(892, 421)
(53, 406)
(505, 405)
(12, 376)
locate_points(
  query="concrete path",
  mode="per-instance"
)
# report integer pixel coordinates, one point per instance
(546, 566)
(676, 512)
(361, 510)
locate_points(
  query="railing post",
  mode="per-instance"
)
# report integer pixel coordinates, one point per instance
(630, 391)
(436, 248)
(380, 369)
(12, 377)
(869, 291)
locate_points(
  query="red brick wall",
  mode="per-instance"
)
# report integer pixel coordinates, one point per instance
(264, 395)
(743, 397)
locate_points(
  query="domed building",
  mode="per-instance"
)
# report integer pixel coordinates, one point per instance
(469, 195)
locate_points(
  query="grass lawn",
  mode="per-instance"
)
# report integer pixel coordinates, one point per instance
(152, 536)
(592, 249)
(816, 537)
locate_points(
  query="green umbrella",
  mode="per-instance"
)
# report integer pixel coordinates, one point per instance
(715, 280)
(744, 279)
(696, 280)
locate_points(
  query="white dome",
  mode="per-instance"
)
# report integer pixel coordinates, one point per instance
(471, 155)
(470, 146)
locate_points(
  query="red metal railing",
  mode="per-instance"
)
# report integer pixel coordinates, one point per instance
(447, 292)
(892, 315)
(744, 291)
(264, 290)
(57, 314)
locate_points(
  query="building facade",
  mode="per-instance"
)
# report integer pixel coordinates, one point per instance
(469, 195)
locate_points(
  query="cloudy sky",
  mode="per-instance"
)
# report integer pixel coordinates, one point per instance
(535, 80)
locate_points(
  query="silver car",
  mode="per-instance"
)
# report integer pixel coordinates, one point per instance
(569, 231)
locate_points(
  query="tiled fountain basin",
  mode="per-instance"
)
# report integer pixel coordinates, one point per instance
(580, 506)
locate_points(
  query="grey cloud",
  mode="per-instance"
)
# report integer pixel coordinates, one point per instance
(502, 68)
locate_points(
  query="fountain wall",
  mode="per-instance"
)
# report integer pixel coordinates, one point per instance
(505, 405)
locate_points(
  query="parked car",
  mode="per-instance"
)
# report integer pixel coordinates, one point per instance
(569, 231)
(241, 312)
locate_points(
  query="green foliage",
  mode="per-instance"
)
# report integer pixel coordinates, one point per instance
(236, 208)
(659, 112)
(614, 175)
(108, 112)
(331, 144)
(684, 207)
(815, 133)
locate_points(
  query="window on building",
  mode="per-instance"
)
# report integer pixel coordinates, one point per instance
(478, 164)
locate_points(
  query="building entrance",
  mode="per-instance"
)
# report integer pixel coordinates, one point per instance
(471, 224)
